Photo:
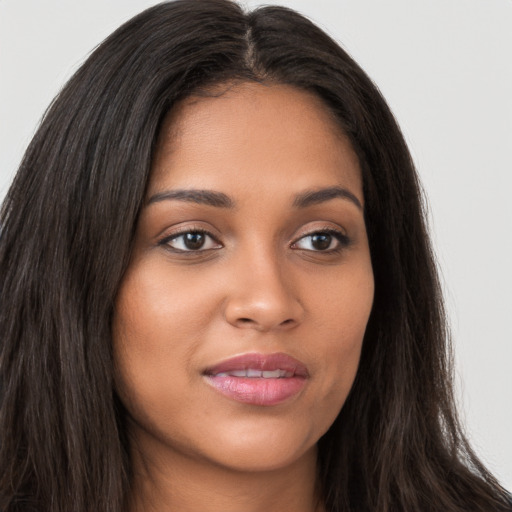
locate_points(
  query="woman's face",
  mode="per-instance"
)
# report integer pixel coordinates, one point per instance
(240, 320)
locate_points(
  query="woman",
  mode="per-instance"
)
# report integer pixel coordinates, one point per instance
(217, 287)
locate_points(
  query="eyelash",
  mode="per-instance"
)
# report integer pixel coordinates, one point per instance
(166, 241)
(342, 239)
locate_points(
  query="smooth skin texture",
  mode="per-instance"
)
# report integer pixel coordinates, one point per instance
(267, 267)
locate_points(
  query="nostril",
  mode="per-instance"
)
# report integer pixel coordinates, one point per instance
(249, 322)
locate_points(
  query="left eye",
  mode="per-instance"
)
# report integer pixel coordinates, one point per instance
(321, 241)
(191, 241)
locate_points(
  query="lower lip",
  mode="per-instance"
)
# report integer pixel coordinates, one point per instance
(257, 391)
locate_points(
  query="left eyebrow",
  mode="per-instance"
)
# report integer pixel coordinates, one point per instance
(312, 197)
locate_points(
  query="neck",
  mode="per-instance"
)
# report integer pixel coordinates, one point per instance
(166, 481)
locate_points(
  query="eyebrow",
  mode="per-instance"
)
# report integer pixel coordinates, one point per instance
(221, 200)
(312, 197)
(208, 197)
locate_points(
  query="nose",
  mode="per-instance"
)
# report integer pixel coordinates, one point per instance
(263, 296)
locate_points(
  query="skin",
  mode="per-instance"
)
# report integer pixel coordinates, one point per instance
(260, 284)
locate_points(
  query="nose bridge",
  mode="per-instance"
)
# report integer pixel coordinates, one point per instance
(262, 295)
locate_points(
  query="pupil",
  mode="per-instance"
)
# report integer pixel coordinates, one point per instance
(194, 240)
(322, 241)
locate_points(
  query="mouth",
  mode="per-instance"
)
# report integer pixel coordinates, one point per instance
(258, 379)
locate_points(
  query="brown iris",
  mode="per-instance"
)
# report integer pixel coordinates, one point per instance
(194, 240)
(321, 241)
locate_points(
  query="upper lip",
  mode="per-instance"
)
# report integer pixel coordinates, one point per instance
(264, 362)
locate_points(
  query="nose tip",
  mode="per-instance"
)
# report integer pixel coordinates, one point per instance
(264, 303)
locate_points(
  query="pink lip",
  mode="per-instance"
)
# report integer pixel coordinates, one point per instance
(258, 390)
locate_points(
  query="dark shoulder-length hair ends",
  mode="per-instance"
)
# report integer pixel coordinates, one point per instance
(67, 227)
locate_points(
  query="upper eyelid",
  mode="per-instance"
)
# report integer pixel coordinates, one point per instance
(337, 233)
(167, 235)
(164, 240)
(324, 229)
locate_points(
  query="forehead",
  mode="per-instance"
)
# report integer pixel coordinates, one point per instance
(249, 134)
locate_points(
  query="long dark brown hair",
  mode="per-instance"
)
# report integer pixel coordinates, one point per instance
(66, 230)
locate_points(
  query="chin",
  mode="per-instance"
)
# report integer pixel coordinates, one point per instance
(263, 445)
(264, 457)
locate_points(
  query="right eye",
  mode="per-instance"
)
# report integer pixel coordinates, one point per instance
(191, 241)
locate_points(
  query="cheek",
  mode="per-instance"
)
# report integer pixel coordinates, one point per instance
(341, 305)
(340, 325)
(158, 315)
(150, 336)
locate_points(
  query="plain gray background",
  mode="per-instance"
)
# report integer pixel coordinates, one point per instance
(445, 67)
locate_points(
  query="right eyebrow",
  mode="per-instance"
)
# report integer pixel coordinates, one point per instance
(208, 197)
